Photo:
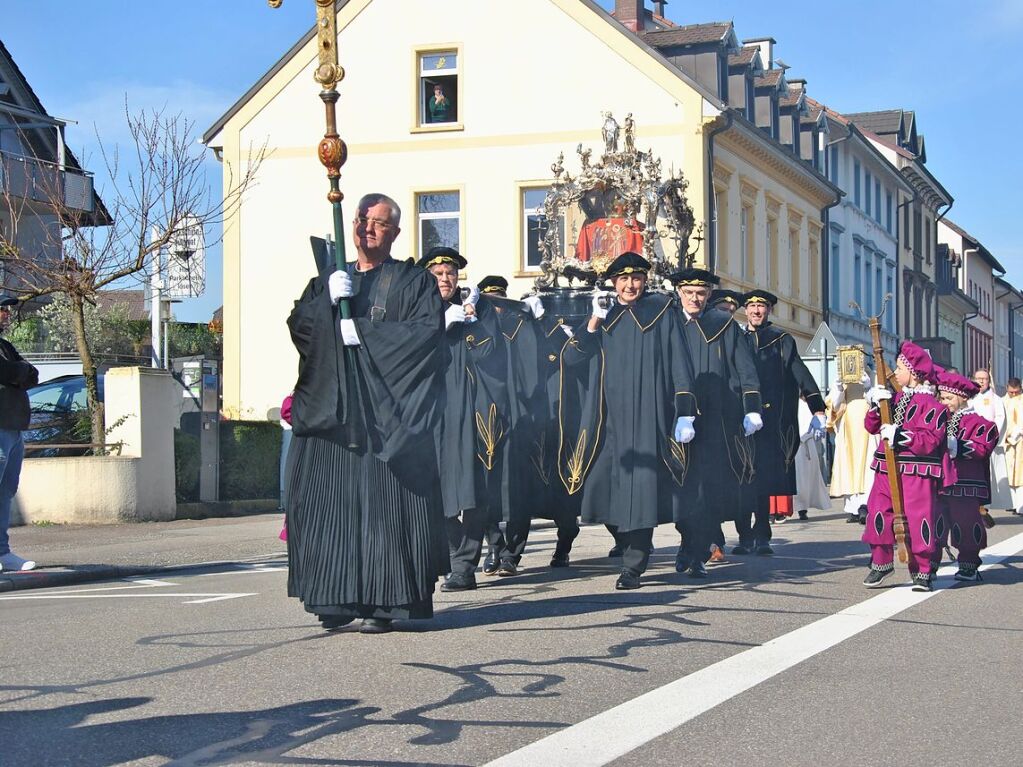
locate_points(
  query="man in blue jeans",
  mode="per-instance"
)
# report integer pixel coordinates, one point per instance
(16, 377)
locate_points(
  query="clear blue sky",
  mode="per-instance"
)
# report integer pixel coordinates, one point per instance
(951, 62)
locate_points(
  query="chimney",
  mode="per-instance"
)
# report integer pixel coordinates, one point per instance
(630, 14)
(766, 45)
(659, 7)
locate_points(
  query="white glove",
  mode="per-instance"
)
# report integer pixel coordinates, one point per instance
(454, 313)
(875, 394)
(818, 427)
(752, 423)
(887, 432)
(534, 305)
(348, 334)
(684, 431)
(866, 380)
(598, 311)
(339, 285)
(473, 298)
(836, 395)
(953, 447)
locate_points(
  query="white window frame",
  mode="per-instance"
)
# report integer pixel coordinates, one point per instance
(419, 109)
(459, 216)
(524, 268)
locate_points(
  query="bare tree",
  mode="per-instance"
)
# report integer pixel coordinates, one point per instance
(153, 194)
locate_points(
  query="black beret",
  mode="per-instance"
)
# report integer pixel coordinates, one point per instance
(493, 284)
(759, 296)
(695, 277)
(442, 255)
(627, 263)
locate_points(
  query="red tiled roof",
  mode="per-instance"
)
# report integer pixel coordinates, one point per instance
(692, 34)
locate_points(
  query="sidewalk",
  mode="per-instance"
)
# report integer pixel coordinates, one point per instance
(69, 554)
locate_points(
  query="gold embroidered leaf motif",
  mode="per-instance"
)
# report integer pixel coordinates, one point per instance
(575, 464)
(489, 434)
(680, 456)
(746, 450)
(790, 444)
(539, 459)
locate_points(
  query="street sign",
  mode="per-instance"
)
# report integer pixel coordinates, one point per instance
(823, 343)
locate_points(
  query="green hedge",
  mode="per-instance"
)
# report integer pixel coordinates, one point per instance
(186, 466)
(250, 455)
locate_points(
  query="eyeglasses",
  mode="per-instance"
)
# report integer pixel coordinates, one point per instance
(689, 293)
(372, 222)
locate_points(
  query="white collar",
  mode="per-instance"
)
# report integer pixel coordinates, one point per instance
(924, 388)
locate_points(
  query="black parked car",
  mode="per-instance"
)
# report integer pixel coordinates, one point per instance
(60, 416)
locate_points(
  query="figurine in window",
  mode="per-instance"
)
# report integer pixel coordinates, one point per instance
(440, 106)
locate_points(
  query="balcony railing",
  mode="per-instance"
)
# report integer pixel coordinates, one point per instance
(42, 181)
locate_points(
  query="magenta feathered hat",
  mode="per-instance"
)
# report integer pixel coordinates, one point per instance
(919, 361)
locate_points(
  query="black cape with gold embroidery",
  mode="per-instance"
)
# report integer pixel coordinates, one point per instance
(784, 378)
(474, 431)
(621, 451)
(727, 387)
(518, 483)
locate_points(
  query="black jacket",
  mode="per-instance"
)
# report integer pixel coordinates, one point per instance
(16, 377)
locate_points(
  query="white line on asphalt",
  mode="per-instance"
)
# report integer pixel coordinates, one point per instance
(203, 598)
(142, 584)
(246, 571)
(610, 735)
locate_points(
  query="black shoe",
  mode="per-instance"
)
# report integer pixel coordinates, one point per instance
(490, 564)
(922, 582)
(742, 549)
(861, 516)
(681, 561)
(615, 552)
(627, 581)
(507, 568)
(334, 622)
(764, 550)
(560, 558)
(803, 515)
(459, 582)
(852, 519)
(376, 626)
(968, 573)
(697, 570)
(875, 578)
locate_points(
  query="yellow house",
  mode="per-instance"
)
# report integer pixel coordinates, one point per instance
(521, 82)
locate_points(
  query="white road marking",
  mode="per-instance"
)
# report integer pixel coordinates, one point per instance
(610, 735)
(193, 599)
(248, 570)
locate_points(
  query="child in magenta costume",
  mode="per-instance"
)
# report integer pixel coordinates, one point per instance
(971, 439)
(918, 438)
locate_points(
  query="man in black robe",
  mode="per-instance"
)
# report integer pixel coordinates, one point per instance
(784, 378)
(628, 452)
(365, 525)
(473, 434)
(728, 390)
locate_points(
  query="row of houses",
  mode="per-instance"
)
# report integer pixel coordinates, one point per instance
(825, 207)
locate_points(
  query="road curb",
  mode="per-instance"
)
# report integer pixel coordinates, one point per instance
(42, 579)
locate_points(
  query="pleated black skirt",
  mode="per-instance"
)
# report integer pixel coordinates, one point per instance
(364, 540)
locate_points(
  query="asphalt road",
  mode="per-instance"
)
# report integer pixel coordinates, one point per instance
(783, 661)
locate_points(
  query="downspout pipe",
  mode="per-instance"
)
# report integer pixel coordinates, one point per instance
(898, 272)
(825, 255)
(712, 251)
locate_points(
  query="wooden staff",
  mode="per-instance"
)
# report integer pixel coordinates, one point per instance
(891, 463)
(333, 152)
